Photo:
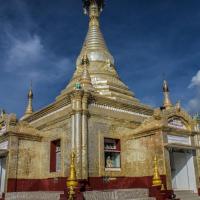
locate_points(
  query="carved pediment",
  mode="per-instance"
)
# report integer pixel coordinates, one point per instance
(172, 118)
(177, 122)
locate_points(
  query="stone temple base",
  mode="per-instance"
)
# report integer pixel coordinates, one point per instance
(119, 194)
(40, 195)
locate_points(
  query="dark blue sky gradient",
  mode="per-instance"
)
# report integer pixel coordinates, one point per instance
(40, 40)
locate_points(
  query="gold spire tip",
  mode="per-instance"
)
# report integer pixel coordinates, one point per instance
(165, 86)
(88, 3)
(30, 93)
(166, 102)
(29, 108)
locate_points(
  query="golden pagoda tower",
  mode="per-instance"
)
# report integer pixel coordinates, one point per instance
(104, 78)
(166, 102)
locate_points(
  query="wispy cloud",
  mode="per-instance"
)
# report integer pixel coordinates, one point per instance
(23, 53)
(194, 103)
(195, 80)
(24, 57)
(29, 58)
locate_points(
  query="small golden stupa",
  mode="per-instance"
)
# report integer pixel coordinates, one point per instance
(156, 176)
(72, 182)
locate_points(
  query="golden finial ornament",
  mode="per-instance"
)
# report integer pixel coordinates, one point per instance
(72, 182)
(156, 176)
(178, 105)
(85, 60)
(166, 102)
(29, 108)
(3, 112)
(85, 77)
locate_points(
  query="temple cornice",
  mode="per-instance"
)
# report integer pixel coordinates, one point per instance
(54, 107)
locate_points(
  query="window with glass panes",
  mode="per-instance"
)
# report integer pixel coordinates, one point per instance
(112, 153)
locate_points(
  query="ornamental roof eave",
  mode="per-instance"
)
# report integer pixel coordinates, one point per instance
(177, 131)
(159, 122)
(56, 105)
(128, 106)
(180, 112)
(59, 104)
(18, 128)
(180, 146)
(153, 129)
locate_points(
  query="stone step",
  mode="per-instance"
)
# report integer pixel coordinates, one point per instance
(118, 194)
(186, 195)
(146, 198)
(39, 195)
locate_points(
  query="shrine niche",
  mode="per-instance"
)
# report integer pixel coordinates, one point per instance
(112, 154)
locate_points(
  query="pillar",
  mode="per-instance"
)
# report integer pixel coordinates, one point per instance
(77, 129)
(85, 136)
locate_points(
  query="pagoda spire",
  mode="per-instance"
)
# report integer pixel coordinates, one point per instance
(29, 108)
(166, 102)
(94, 45)
(100, 68)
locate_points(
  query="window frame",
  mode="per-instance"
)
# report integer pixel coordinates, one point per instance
(53, 155)
(114, 150)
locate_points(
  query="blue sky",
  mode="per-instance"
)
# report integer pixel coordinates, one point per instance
(40, 40)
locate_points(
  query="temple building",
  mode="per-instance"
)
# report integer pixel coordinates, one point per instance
(114, 136)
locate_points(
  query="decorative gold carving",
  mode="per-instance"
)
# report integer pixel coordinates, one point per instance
(77, 94)
(85, 78)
